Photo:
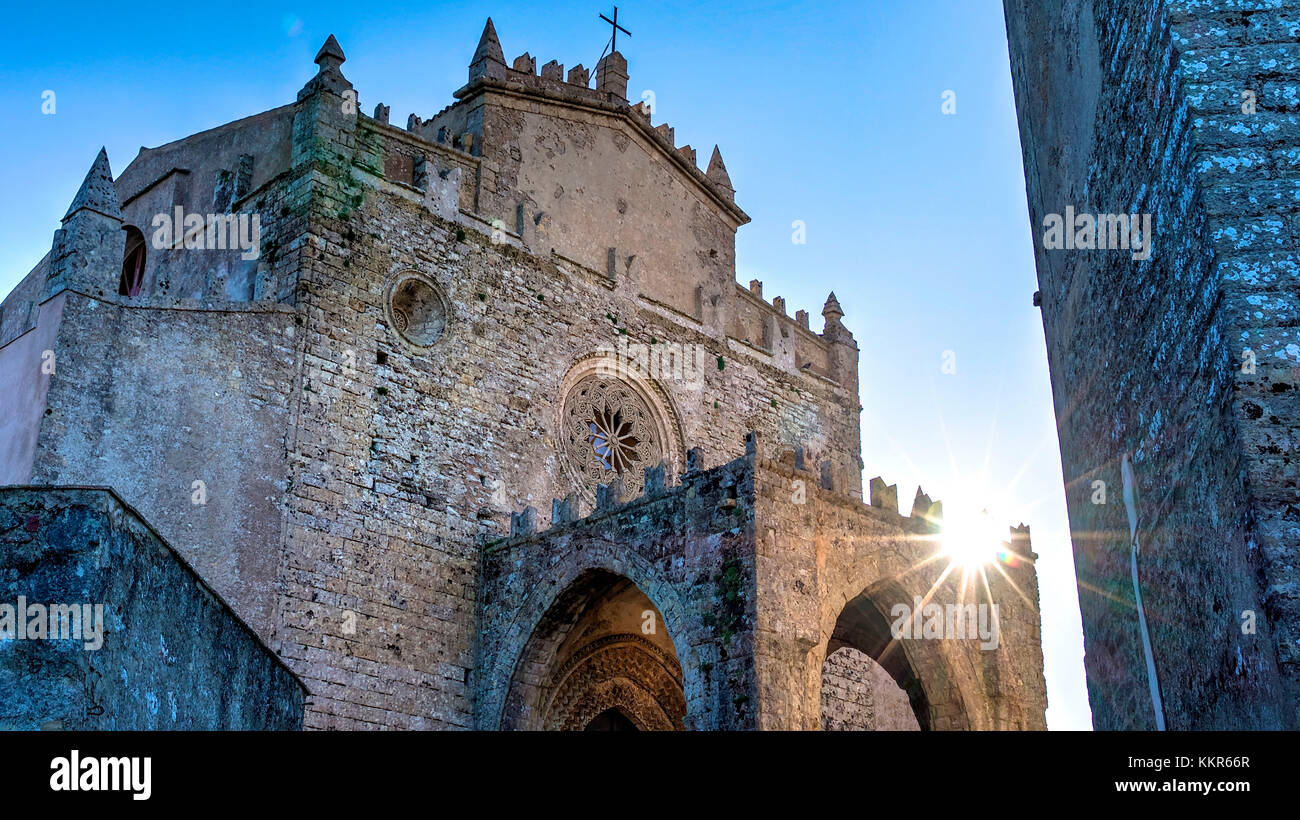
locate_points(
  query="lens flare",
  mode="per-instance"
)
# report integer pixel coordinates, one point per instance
(972, 541)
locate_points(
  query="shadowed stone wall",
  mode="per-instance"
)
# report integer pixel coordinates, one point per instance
(858, 695)
(1185, 363)
(173, 654)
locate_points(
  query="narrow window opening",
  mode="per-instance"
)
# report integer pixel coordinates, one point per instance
(132, 264)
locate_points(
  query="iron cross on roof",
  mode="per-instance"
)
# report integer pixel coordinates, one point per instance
(617, 29)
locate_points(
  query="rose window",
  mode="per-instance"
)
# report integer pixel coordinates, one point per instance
(610, 434)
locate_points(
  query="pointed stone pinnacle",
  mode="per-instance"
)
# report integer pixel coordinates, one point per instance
(489, 47)
(832, 307)
(921, 504)
(718, 170)
(330, 55)
(97, 192)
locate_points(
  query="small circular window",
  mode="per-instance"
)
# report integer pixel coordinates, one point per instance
(416, 309)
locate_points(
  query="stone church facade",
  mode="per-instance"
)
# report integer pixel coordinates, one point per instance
(483, 433)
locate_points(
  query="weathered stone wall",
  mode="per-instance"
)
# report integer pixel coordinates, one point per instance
(173, 654)
(830, 571)
(1249, 167)
(580, 171)
(597, 184)
(1136, 107)
(212, 172)
(858, 695)
(21, 306)
(26, 371)
(149, 402)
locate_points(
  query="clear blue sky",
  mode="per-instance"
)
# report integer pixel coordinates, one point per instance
(826, 112)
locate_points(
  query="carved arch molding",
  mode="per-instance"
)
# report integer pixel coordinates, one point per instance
(623, 672)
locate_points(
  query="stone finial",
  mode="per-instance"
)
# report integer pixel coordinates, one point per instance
(488, 60)
(609, 495)
(330, 56)
(654, 479)
(329, 77)
(756, 288)
(489, 45)
(832, 310)
(801, 316)
(86, 252)
(97, 192)
(827, 476)
(688, 153)
(525, 63)
(718, 171)
(381, 113)
(666, 131)
(578, 75)
(553, 71)
(523, 524)
(642, 110)
(413, 122)
(884, 496)
(611, 75)
(778, 304)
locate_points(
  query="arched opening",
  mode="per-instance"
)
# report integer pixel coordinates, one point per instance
(611, 720)
(132, 264)
(868, 682)
(600, 659)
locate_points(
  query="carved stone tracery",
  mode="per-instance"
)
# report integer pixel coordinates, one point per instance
(609, 432)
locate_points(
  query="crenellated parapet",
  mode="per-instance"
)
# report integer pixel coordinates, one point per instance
(489, 69)
(766, 326)
(810, 471)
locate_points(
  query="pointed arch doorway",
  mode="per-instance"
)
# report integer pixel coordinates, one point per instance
(600, 659)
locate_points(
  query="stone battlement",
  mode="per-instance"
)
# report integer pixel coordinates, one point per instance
(807, 481)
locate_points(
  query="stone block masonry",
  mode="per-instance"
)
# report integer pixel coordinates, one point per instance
(1182, 365)
(173, 654)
